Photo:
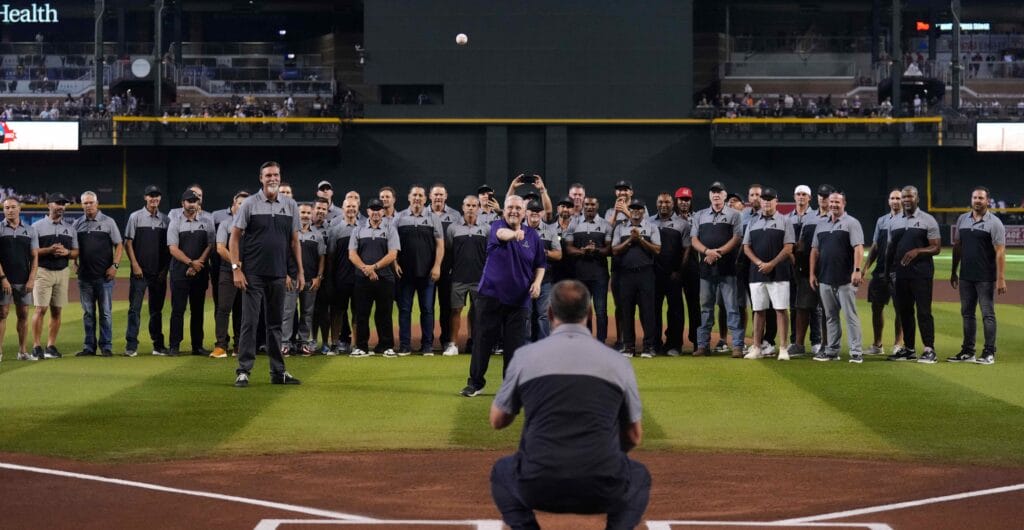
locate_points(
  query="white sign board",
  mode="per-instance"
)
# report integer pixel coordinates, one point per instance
(39, 136)
(998, 137)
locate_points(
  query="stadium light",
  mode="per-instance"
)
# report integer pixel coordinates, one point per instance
(282, 32)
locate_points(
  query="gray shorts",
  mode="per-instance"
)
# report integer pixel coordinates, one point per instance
(18, 295)
(459, 292)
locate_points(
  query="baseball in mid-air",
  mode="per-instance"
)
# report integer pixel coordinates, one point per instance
(461, 39)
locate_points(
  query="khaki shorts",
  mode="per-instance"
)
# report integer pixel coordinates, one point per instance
(51, 288)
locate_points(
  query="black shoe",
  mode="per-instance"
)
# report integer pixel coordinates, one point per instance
(963, 357)
(86, 353)
(903, 355)
(160, 352)
(201, 352)
(284, 379)
(106, 353)
(986, 358)
(173, 352)
(469, 391)
(242, 380)
(826, 357)
(928, 357)
(38, 353)
(52, 353)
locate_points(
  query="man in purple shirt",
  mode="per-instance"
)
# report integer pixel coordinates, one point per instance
(512, 277)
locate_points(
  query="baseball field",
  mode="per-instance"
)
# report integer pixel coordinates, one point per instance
(387, 443)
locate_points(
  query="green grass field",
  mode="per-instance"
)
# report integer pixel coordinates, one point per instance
(150, 408)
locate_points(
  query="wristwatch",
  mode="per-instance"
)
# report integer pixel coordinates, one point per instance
(117, 265)
(235, 266)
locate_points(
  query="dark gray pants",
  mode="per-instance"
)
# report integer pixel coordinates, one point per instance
(971, 295)
(271, 290)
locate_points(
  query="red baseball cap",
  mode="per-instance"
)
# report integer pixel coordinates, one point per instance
(684, 193)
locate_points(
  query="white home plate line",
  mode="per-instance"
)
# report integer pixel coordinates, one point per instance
(907, 504)
(477, 524)
(216, 496)
(668, 525)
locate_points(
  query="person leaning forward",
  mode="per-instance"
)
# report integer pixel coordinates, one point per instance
(583, 414)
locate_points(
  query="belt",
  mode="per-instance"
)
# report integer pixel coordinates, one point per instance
(53, 270)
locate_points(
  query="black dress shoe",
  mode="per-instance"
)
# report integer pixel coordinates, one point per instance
(172, 352)
(284, 379)
(106, 353)
(201, 351)
(85, 353)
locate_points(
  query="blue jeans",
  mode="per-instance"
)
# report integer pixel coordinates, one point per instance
(539, 327)
(423, 288)
(709, 291)
(93, 294)
(599, 294)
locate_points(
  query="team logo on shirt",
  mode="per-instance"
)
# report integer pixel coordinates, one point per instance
(282, 210)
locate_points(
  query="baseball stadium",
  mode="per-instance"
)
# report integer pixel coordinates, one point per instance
(666, 264)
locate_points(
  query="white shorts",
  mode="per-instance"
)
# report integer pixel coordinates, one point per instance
(763, 292)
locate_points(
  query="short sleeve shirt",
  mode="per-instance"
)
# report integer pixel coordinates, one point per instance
(268, 226)
(419, 234)
(675, 237)
(511, 266)
(636, 256)
(192, 237)
(17, 243)
(576, 394)
(224, 237)
(978, 241)
(835, 240)
(97, 238)
(312, 243)
(581, 234)
(767, 236)
(342, 271)
(148, 234)
(880, 238)
(372, 244)
(909, 232)
(50, 233)
(551, 240)
(714, 229)
(468, 247)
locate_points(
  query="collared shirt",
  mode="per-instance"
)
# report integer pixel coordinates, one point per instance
(714, 229)
(582, 233)
(551, 241)
(675, 237)
(148, 234)
(565, 267)
(419, 233)
(224, 236)
(805, 238)
(372, 244)
(796, 219)
(511, 265)
(268, 226)
(97, 238)
(909, 232)
(880, 238)
(636, 256)
(835, 240)
(486, 218)
(577, 394)
(467, 244)
(16, 246)
(192, 237)
(978, 241)
(767, 236)
(342, 269)
(334, 212)
(50, 232)
(311, 241)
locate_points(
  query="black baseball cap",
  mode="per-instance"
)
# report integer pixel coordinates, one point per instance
(324, 184)
(531, 196)
(535, 206)
(732, 196)
(823, 191)
(152, 190)
(768, 194)
(566, 201)
(374, 204)
(716, 186)
(623, 185)
(189, 195)
(484, 188)
(637, 204)
(58, 198)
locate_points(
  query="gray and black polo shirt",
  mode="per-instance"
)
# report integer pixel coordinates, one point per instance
(97, 238)
(334, 212)
(767, 236)
(148, 234)
(551, 241)
(268, 226)
(881, 239)
(714, 229)
(49, 233)
(565, 267)
(16, 246)
(486, 218)
(978, 241)
(447, 217)
(224, 236)
(311, 241)
(342, 270)
(577, 394)
(372, 244)
(192, 237)
(835, 240)
(219, 216)
(797, 220)
(907, 232)
(419, 234)
(636, 256)
(467, 244)
(590, 268)
(675, 237)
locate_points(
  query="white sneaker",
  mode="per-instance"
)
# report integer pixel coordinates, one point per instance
(784, 353)
(767, 348)
(874, 350)
(753, 352)
(389, 353)
(356, 352)
(816, 349)
(25, 356)
(673, 353)
(450, 350)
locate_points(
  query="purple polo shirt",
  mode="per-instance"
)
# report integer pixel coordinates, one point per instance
(510, 266)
